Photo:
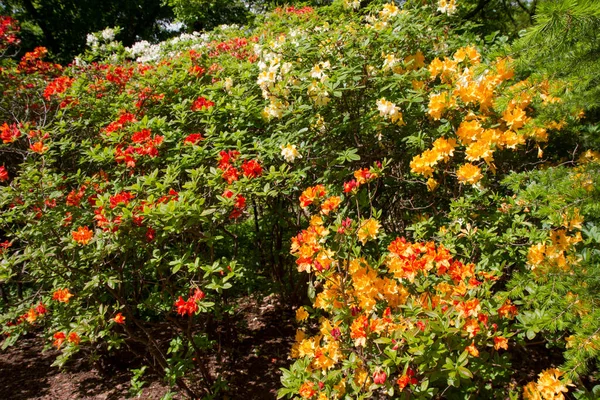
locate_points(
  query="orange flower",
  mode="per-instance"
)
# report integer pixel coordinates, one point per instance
(62, 295)
(38, 147)
(74, 338)
(82, 235)
(508, 310)
(311, 195)
(119, 319)
(473, 350)
(59, 338)
(472, 327)
(500, 342)
(358, 330)
(330, 204)
(31, 315)
(307, 390)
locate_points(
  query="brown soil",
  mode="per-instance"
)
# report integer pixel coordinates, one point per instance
(265, 332)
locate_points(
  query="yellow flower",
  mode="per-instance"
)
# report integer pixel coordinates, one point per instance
(368, 230)
(530, 392)
(301, 314)
(432, 184)
(536, 254)
(438, 102)
(549, 385)
(469, 173)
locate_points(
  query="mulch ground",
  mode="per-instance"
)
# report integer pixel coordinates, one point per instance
(265, 335)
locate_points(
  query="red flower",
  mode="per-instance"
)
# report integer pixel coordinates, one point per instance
(202, 103)
(74, 198)
(150, 234)
(188, 307)
(252, 169)
(38, 147)
(58, 85)
(193, 138)
(230, 175)
(227, 194)
(73, 338)
(198, 295)
(407, 379)
(240, 202)
(141, 136)
(3, 174)
(41, 309)
(120, 198)
(227, 157)
(119, 319)
(379, 377)
(350, 186)
(197, 70)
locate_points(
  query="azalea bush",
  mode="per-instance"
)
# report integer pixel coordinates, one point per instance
(411, 321)
(146, 190)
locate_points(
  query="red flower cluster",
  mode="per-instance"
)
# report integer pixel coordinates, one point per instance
(57, 86)
(197, 70)
(62, 295)
(379, 377)
(119, 75)
(238, 206)
(146, 94)
(252, 169)
(3, 174)
(9, 133)
(193, 139)
(8, 31)
(146, 146)
(294, 10)
(407, 379)
(237, 47)
(230, 173)
(189, 306)
(121, 198)
(32, 62)
(74, 197)
(362, 176)
(120, 123)
(202, 103)
(59, 339)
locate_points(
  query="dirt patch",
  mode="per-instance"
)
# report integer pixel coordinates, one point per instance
(264, 329)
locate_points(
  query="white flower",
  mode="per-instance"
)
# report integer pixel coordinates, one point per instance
(274, 109)
(355, 4)
(91, 40)
(290, 153)
(447, 6)
(108, 34)
(228, 84)
(389, 61)
(387, 109)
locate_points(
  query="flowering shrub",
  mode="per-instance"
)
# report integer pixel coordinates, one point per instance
(412, 319)
(146, 190)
